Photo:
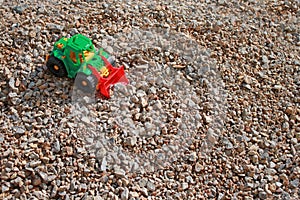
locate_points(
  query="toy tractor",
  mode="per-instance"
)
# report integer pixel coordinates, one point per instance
(94, 70)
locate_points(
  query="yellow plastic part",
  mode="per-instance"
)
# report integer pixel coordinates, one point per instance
(88, 55)
(104, 72)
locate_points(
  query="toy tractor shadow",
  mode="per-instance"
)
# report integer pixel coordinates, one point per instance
(83, 82)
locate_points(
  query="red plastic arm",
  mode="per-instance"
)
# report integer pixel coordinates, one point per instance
(116, 75)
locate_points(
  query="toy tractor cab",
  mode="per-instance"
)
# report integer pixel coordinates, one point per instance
(94, 70)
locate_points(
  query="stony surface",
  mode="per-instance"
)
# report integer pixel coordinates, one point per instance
(255, 155)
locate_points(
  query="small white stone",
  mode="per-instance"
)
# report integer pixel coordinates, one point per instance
(11, 83)
(211, 136)
(124, 194)
(208, 119)
(185, 186)
(272, 164)
(144, 102)
(85, 120)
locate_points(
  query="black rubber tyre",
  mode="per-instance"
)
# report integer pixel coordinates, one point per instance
(86, 83)
(56, 67)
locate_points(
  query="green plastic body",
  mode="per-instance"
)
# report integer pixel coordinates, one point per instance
(72, 52)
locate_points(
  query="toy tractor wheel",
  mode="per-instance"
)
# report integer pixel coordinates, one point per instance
(56, 67)
(86, 83)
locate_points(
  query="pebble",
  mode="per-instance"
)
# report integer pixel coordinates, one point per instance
(255, 159)
(56, 146)
(278, 184)
(39, 195)
(214, 89)
(11, 83)
(20, 8)
(1, 137)
(34, 163)
(143, 182)
(193, 157)
(208, 119)
(262, 195)
(131, 141)
(184, 186)
(55, 27)
(85, 120)
(265, 59)
(51, 177)
(295, 183)
(120, 173)
(44, 176)
(211, 137)
(134, 194)
(69, 151)
(272, 164)
(277, 87)
(83, 187)
(4, 189)
(150, 186)
(144, 102)
(103, 164)
(19, 130)
(54, 191)
(125, 194)
(144, 192)
(36, 181)
(27, 59)
(12, 95)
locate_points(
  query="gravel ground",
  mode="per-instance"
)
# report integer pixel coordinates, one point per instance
(232, 102)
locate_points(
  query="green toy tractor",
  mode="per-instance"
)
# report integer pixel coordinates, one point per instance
(94, 69)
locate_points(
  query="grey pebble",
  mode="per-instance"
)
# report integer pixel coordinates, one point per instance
(19, 130)
(54, 191)
(131, 141)
(262, 195)
(295, 183)
(150, 186)
(193, 157)
(143, 182)
(211, 136)
(35, 163)
(56, 146)
(43, 175)
(265, 59)
(27, 59)
(125, 194)
(55, 27)
(1, 137)
(120, 173)
(20, 8)
(184, 186)
(11, 83)
(4, 188)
